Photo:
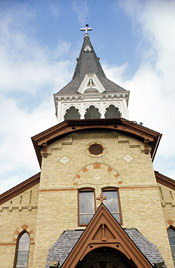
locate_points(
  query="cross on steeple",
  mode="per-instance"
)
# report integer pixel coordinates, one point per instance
(86, 29)
(101, 198)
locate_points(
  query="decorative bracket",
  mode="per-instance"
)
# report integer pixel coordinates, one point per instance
(44, 145)
(146, 146)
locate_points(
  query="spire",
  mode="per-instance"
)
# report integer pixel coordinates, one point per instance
(88, 62)
(90, 94)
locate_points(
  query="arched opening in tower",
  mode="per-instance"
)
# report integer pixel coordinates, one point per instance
(112, 112)
(72, 113)
(92, 113)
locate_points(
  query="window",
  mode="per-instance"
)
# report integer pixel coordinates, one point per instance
(112, 202)
(171, 236)
(22, 251)
(86, 206)
(96, 149)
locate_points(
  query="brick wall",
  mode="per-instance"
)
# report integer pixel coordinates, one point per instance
(124, 164)
(17, 215)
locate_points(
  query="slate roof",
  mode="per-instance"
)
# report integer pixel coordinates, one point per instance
(66, 242)
(88, 62)
(63, 246)
(148, 249)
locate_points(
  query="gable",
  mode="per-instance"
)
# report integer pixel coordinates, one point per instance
(148, 136)
(91, 84)
(103, 231)
(20, 188)
(164, 180)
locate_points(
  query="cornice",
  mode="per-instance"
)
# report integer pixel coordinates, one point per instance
(148, 136)
(20, 188)
(164, 180)
(102, 96)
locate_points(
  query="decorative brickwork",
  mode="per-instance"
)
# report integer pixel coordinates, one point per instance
(22, 228)
(96, 173)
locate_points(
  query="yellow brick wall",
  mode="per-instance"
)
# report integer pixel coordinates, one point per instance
(16, 215)
(124, 164)
(167, 196)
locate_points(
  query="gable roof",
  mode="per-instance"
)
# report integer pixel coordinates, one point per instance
(148, 136)
(20, 188)
(88, 62)
(103, 231)
(164, 180)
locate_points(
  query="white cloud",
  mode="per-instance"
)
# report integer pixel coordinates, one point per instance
(27, 72)
(153, 85)
(82, 10)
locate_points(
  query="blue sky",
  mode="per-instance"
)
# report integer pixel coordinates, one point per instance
(39, 44)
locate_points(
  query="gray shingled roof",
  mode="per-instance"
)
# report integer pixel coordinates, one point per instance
(63, 246)
(66, 242)
(88, 62)
(148, 249)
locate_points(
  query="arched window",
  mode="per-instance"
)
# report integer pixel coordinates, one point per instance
(22, 253)
(171, 236)
(92, 113)
(112, 112)
(72, 113)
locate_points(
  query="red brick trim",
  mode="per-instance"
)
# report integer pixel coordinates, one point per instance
(96, 165)
(7, 244)
(170, 222)
(56, 190)
(21, 229)
(139, 187)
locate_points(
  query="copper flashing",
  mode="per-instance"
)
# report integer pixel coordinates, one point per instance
(150, 136)
(164, 180)
(20, 188)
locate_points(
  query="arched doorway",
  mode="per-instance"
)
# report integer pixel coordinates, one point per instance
(105, 258)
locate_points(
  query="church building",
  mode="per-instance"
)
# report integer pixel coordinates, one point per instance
(97, 201)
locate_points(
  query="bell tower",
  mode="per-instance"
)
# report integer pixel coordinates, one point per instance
(90, 95)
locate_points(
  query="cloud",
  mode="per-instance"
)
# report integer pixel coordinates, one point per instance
(29, 75)
(25, 65)
(82, 10)
(152, 88)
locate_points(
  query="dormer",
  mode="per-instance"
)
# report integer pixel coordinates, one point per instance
(91, 84)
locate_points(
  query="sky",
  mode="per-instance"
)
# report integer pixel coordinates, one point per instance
(39, 43)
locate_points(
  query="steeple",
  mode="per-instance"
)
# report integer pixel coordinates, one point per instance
(88, 62)
(90, 94)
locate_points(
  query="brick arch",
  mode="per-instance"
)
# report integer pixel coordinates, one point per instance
(97, 166)
(171, 224)
(22, 228)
